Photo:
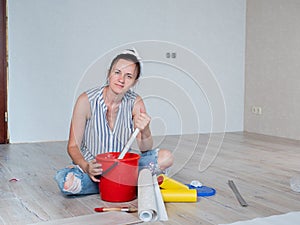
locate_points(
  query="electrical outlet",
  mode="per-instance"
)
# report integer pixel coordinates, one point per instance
(259, 110)
(172, 55)
(256, 110)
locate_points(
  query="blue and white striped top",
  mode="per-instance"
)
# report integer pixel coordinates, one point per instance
(98, 137)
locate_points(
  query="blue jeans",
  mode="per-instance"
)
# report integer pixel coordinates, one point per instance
(87, 186)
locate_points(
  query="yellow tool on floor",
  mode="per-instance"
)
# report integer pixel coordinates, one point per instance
(174, 191)
(179, 195)
(169, 183)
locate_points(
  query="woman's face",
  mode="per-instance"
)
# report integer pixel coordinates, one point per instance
(122, 76)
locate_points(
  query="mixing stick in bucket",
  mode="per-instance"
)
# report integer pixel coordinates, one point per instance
(129, 143)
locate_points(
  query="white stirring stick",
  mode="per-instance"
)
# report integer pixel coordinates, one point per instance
(129, 143)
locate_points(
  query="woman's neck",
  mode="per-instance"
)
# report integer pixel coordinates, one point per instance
(112, 102)
(110, 98)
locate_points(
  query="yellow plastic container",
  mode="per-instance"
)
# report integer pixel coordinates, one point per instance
(179, 195)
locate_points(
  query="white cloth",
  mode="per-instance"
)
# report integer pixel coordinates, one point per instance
(291, 218)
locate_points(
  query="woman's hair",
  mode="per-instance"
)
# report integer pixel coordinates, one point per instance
(131, 55)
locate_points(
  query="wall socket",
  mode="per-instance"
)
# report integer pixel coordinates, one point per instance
(256, 110)
(172, 55)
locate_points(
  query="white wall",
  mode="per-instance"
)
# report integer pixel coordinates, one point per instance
(272, 67)
(58, 48)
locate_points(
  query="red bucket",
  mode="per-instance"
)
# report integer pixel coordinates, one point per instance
(118, 182)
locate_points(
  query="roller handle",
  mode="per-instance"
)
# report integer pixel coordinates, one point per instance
(129, 143)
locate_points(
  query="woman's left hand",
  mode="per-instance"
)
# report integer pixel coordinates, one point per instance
(142, 121)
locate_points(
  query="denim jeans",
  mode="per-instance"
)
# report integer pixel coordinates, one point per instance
(87, 186)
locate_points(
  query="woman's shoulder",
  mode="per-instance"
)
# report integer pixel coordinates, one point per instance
(94, 90)
(82, 105)
(131, 95)
(94, 93)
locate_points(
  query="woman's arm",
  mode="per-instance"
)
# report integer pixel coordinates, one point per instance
(142, 121)
(80, 115)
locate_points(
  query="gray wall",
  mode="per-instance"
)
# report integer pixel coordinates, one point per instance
(59, 48)
(272, 67)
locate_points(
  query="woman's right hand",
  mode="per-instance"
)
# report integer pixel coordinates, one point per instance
(94, 169)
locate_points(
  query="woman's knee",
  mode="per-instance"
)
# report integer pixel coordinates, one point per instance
(68, 182)
(165, 158)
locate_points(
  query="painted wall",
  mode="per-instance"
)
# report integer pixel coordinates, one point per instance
(59, 48)
(272, 67)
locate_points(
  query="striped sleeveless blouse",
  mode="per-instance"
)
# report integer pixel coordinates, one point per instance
(98, 137)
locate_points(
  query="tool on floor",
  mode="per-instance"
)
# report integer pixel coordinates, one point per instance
(175, 191)
(166, 182)
(129, 209)
(237, 193)
(129, 143)
(179, 195)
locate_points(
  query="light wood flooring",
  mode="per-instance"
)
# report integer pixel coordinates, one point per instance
(261, 167)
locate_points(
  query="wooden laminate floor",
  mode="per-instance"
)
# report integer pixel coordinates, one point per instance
(261, 167)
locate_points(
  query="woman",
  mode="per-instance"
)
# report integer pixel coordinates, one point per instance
(103, 120)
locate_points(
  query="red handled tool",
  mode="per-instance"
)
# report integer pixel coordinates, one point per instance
(130, 209)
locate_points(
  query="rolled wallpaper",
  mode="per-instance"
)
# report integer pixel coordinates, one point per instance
(150, 203)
